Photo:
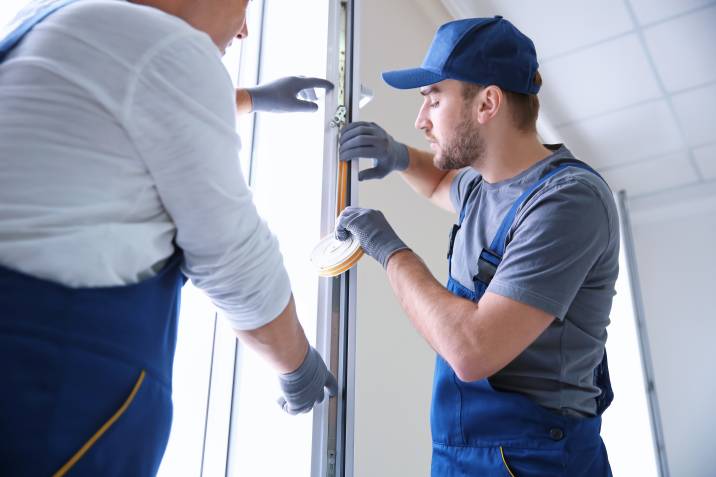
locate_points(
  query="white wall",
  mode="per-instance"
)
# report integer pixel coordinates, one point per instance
(394, 364)
(676, 257)
(674, 239)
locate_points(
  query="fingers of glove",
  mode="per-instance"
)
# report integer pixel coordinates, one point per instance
(304, 83)
(360, 129)
(331, 385)
(283, 404)
(354, 125)
(364, 140)
(373, 173)
(368, 152)
(348, 214)
(321, 398)
(308, 94)
(342, 234)
(303, 106)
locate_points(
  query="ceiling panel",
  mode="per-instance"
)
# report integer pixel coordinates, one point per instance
(676, 46)
(706, 159)
(648, 11)
(667, 172)
(597, 80)
(563, 24)
(696, 110)
(642, 131)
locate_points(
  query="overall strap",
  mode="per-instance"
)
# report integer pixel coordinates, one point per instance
(463, 208)
(491, 257)
(10, 41)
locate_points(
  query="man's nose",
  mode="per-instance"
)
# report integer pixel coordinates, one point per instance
(422, 121)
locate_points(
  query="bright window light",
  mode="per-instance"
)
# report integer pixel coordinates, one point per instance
(8, 10)
(626, 425)
(192, 368)
(287, 182)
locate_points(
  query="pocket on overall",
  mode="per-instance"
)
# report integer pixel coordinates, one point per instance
(133, 439)
(493, 461)
(87, 446)
(58, 396)
(522, 462)
(446, 406)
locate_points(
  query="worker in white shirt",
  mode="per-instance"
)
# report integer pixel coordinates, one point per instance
(120, 179)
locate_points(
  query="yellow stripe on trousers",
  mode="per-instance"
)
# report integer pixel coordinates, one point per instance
(88, 445)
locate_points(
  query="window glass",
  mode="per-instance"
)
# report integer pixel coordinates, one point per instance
(8, 10)
(287, 182)
(626, 426)
(190, 387)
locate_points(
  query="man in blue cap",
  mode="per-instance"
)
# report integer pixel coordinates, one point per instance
(521, 377)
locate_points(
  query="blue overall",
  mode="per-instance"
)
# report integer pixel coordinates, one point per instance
(86, 373)
(480, 431)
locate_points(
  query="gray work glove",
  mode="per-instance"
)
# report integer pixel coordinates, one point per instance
(304, 387)
(370, 141)
(281, 95)
(372, 230)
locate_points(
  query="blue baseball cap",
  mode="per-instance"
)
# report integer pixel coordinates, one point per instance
(484, 51)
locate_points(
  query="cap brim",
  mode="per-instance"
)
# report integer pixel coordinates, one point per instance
(411, 78)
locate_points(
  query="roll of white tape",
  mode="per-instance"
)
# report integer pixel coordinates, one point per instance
(332, 256)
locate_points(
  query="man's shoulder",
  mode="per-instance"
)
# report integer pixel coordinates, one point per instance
(122, 25)
(574, 204)
(578, 180)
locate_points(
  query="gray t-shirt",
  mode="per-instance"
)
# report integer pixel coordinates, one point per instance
(562, 257)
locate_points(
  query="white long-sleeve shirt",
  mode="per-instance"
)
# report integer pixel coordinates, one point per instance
(117, 140)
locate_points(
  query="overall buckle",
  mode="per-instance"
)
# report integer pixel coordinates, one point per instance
(453, 234)
(487, 266)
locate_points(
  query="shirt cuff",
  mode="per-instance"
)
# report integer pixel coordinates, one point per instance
(272, 305)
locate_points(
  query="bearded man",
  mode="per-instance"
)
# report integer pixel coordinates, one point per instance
(521, 376)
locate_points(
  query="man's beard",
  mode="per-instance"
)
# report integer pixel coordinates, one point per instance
(465, 148)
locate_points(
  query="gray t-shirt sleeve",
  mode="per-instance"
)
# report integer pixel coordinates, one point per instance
(458, 187)
(556, 239)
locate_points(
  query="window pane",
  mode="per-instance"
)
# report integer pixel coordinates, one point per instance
(8, 10)
(626, 428)
(287, 183)
(190, 387)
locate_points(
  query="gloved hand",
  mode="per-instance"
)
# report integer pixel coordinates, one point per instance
(280, 96)
(368, 140)
(304, 387)
(372, 230)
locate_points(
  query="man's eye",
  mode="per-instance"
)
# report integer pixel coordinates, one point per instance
(434, 104)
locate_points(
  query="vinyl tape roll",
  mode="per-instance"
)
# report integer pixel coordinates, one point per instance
(332, 256)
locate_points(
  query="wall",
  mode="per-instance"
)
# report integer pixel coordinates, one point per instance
(676, 258)
(674, 237)
(394, 364)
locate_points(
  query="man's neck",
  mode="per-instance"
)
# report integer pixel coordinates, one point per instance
(509, 157)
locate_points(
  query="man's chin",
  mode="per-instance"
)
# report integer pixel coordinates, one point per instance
(440, 164)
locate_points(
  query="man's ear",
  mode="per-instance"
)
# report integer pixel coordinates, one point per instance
(488, 103)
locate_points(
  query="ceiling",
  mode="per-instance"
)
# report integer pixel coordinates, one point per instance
(629, 85)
